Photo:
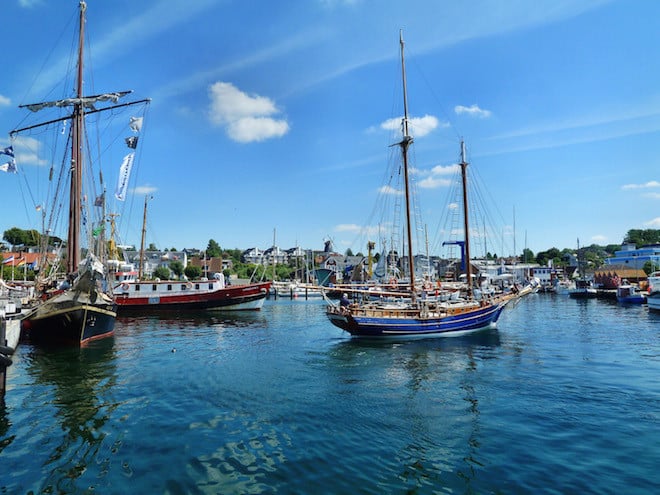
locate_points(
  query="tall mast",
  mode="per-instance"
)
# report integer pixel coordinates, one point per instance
(75, 192)
(144, 232)
(468, 266)
(405, 143)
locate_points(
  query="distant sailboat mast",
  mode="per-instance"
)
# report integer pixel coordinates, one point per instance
(405, 143)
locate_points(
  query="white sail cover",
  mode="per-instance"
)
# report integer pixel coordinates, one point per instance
(85, 101)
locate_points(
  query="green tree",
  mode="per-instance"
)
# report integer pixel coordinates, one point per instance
(640, 237)
(542, 257)
(177, 268)
(193, 272)
(152, 247)
(162, 272)
(234, 254)
(213, 250)
(349, 252)
(16, 236)
(527, 255)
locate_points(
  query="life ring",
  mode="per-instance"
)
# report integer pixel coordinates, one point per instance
(125, 286)
(393, 282)
(189, 285)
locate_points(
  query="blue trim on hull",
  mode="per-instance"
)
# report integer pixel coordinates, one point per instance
(367, 326)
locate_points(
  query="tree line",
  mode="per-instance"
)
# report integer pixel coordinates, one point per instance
(594, 255)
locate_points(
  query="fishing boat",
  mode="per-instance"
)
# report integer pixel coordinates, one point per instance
(630, 294)
(132, 293)
(653, 297)
(583, 289)
(414, 314)
(81, 307)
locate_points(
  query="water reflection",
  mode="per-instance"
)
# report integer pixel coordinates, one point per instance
(433, 390)
(76, 383)
(192, 319)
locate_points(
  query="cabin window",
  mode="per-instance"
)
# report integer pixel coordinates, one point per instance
(210, 286)
(169, 286)
(183, 286)
(196, 286)
(137, 287)
(154, 287)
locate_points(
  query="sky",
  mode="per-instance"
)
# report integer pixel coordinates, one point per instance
(272, 122)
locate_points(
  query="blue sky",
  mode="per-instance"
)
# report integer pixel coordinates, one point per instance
(277, 116)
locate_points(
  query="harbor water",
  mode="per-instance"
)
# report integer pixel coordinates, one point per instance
(563, 397)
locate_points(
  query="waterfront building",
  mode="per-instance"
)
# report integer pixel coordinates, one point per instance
(633, 257)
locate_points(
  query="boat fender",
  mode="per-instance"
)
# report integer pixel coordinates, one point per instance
(6, 350)
(5, 361)
(393, 282)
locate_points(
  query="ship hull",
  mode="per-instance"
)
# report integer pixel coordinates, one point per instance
(69, 323)
(233, 298)
(380, 325)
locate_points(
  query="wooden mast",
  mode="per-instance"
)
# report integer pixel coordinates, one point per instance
(468, 266)
(144, 232)
(405, 143)
(75, 191)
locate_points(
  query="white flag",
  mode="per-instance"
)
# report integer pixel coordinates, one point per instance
(9, 167)
(135, 123)
(124, 175)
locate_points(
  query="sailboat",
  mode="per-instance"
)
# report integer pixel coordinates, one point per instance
(81, 308)
(416, 315)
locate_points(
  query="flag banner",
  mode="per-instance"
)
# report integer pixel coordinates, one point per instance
(124, 175)
(9, 167)
(9, 150)
(8, 260)
(132, 141)
(97, 231)
(135, 123)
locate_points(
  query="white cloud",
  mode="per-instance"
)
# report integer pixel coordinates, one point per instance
(653, 223)
(348, 227)
(473, 111)
(647, 185)
(390, 190)
(145, 189)
(445, 169)
(652, 195)
(246, 118)
(357, 229)
(418, 126)
(599, 239)
(437, 176)
(434, 182)
(26, 151)
(4, 101)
